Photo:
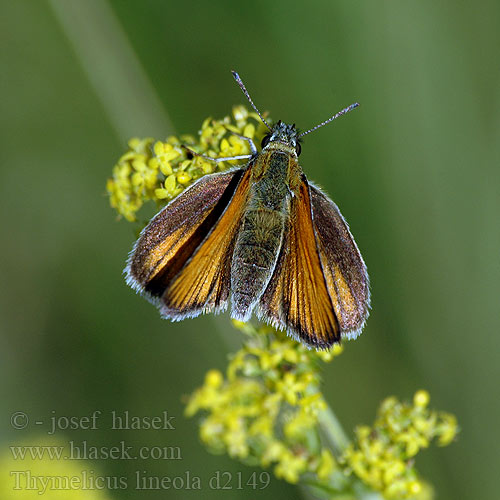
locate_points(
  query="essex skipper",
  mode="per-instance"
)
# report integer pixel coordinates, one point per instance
(262, 237)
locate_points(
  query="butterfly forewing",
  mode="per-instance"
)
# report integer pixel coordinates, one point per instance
(203, 284)
(172, 236)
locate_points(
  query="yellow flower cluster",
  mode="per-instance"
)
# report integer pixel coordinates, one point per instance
(159, 171)
(266, 409)
(382, 456)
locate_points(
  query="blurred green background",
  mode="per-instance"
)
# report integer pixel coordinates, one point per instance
(415, 171)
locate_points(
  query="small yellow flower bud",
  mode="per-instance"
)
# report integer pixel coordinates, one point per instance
(448, 429)
(233, 128)
(183, 178)
(134, 143)
(137, 180)
(206, 123)
(158, 148)
(161, 193)
(139, 164)
(421, 398)
(240, 113)
(185, 164)
(170, 154)
(206, 133)
(326, 464)
(166, 168)
(249, 131)
(170, 183)
(238, 324)
(414, 487)
(207, 168)
(214, 378)
(153, 163)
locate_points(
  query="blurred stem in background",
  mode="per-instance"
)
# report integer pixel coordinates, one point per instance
(112, 68)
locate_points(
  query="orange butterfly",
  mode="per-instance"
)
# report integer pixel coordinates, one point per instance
(263, 237)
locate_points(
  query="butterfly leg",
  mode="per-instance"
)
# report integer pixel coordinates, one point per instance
(217, 160)
(253, 147)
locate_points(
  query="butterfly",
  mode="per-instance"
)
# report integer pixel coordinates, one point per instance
(261, 238)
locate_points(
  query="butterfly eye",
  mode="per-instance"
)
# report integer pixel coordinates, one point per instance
(298, 148)
(265, 140)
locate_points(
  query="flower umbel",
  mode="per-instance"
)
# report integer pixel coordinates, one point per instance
(160, 170)
(382, 455)
(265, 411)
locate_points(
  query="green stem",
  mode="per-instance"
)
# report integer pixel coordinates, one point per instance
(112, 68)
(335, 435)
(338, 441)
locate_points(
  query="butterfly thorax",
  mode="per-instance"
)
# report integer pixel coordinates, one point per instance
(276, 176)
(284, 140)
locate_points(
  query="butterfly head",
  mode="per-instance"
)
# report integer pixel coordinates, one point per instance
(282, 133)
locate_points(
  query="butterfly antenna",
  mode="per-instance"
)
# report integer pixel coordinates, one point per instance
(340, 113)
(247, 95)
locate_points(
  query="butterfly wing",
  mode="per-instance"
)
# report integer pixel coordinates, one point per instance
(343, 267)
(203, 284)
(297, 297)
(182, 258)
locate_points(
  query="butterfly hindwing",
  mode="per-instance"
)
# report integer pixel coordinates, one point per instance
(297, 297)
(343, 267)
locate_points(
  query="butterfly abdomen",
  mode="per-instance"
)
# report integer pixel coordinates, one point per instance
(260, 237)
